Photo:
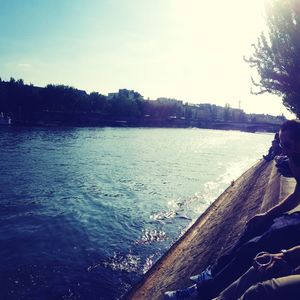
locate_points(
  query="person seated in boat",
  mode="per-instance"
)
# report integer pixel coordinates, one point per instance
(265, 231)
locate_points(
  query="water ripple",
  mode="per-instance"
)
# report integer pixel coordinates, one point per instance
(151, 235)
(70, 197)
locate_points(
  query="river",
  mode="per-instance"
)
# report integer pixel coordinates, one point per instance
(85, 212)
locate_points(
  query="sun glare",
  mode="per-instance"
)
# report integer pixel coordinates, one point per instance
(214, 36)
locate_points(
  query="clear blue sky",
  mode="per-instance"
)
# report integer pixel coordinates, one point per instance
(190, 50)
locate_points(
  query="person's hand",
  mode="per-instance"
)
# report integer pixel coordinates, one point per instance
(277, 263)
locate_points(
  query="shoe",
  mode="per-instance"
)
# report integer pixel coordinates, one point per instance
(188, 293)
(203, 276)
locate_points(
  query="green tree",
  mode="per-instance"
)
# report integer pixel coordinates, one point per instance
(123, 107)
(97, 102)
(276, 54)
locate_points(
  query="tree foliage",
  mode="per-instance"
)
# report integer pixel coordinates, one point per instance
(56, 105)
(276, 55)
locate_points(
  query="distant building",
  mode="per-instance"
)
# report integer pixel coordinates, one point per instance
(130, 94)
(163, 100)
(262, 118)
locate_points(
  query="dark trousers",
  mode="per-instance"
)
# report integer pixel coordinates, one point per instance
(282, 233)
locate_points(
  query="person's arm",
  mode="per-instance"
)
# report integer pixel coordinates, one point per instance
(282, 260)
(285, 205)
(292, 255)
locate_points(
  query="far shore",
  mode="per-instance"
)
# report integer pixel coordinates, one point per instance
(246, 126)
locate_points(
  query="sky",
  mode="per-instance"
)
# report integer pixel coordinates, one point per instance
(190, 50)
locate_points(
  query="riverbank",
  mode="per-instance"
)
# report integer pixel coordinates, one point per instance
(76, 119)
(215, 231)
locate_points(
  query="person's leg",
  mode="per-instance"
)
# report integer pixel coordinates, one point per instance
(207, 291)
(187, 293)
(236, 268)
(254, 285)
(272, 241)
(248, 237)
(243, 255)
(242, 284)
(287, 287)
(283, 231)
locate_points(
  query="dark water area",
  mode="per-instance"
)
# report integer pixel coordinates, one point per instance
(85, 212)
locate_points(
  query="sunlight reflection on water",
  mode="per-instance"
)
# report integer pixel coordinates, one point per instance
(89, 210)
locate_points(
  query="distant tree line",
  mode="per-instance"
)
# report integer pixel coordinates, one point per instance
(27, 103)
(65, 105)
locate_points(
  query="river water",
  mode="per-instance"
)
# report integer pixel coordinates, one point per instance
(85, 212)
